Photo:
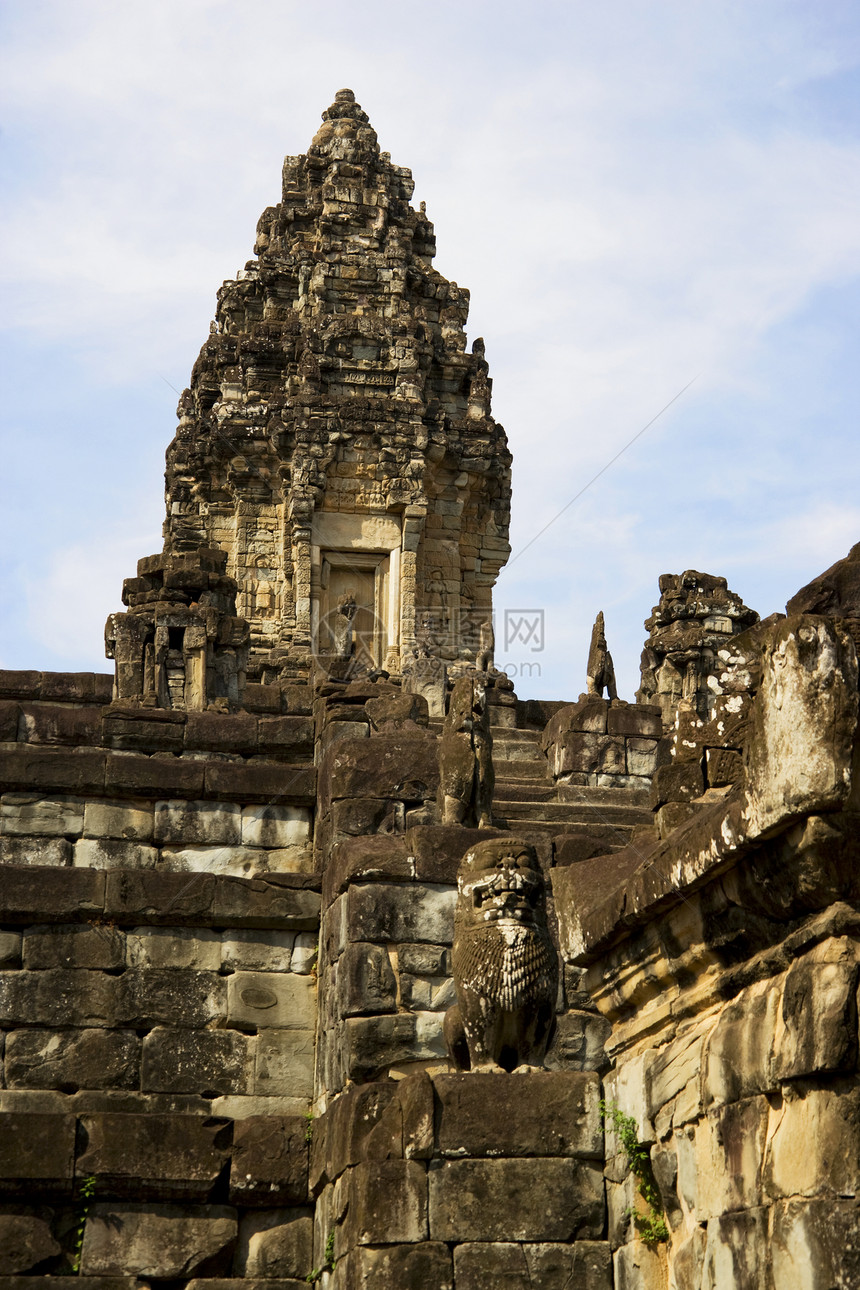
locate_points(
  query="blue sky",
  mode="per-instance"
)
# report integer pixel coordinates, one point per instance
(637, 195)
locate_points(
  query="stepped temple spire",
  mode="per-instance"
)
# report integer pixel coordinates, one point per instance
(336, 438)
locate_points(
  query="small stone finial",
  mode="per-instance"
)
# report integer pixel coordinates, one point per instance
(600, 669)
(344, 96)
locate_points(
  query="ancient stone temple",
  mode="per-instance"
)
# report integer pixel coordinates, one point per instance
(327, 959)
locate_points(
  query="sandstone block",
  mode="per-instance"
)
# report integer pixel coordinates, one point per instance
(270, 1161)
(403, 767)
(677, 782)
(641, 756)
(174, 947)
(51, 896)
(261, 781)
(366, 983)
(388, 912)
(209, 1062)
(738, 1054)
(436, 850)
(305, 953)
(257, 951)
(10, 949)
(266, 901)
(170, 997)
(37, 1152)
(424, 960)
(72, 1059)
(197, 823)
(154, 1155)
(129, 776)
(426, 1266)
(50, 998)
(29, 815)
(387, 1202)
(814, 1147)
(35, 851)
(275, 826)
(638, 720)
(113, 853)
(25, 1241)
(819, 1020)
(236, 862)
(80, 946)
(579, 1042)
(723, 766)
(260, 1000)
(130, 820)
(736, 1251)
(275, 1243)
(730, 1145)
(522, 1200)
(234, 732)
(157, 897)
(285, 1064)
(584, 1264)
(373, 1044)
(158, 1240)
(638, 1267)
(546, 1114)
(285, 736)
(813, 1243)
(422, 994)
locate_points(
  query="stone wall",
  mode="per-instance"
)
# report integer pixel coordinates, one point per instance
(726, 958)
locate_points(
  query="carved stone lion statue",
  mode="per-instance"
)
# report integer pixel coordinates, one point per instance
(505, 964)
(466, 778)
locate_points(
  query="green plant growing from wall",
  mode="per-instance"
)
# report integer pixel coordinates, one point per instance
(88, 1187)
(651, 1226)
(309, 1126)
(328, 1265)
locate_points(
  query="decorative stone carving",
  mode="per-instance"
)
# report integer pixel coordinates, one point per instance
(342, 626)
(694, 619)
(505, 964)
(600, 671)
(484, 660)
(180, 645)
(466, 778)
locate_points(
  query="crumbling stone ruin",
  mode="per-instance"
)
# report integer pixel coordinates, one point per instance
(324, 957)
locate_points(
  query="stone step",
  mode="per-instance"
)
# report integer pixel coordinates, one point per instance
(572, 796)
(616, 839)
(523, 790)
(562, 813)
(513, 769)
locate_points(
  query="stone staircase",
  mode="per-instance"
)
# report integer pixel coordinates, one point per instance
(526, 799)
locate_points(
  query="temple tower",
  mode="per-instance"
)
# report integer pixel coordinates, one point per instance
(336, 439)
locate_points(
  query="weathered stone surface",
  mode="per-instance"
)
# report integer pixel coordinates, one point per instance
(10, 949)
(388, 912)
(130, 820)
(275, 1243)
(387, 1202)
(506, 1266)
(175, 947)
(113, 853)
(158, 1240)
(678, 782)
(25, 1241)
(437, 849)
(738, 1054)
(37, 1150)
(257, 951)
(819, 1016)
(545, 1114)
(72, 1059)
(730, 1146)
(35, 851)
(379, 856)
(402, 767)
(30, 815)
(50, 998)
(201, 823)
(814, 1146)
(257, 1000)
(209, 1062)
(154, 1155)
(736, 1251)
(521, 1200)
(809, 684)
(98, 946)
(170, 997)
(275, 826)
(425, 1266)
(285, 1063)
(57, 894)
(270, 1161)
(638, 1267)
(372, 1044)
(814, 1244)
(365, 980)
